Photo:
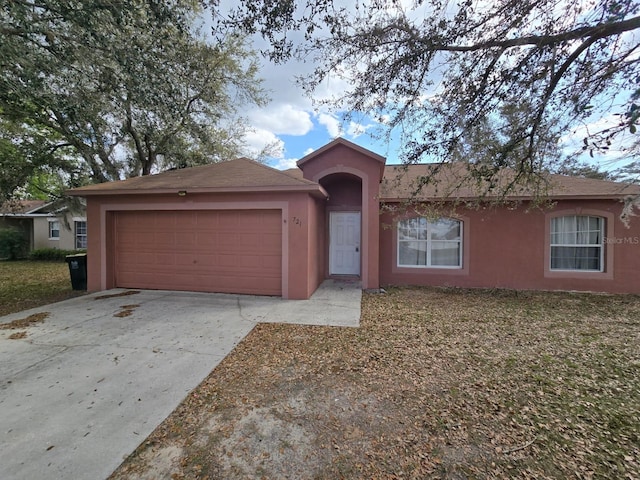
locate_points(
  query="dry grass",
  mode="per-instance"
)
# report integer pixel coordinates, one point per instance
(26, 322)
(435, 384)
(29, 284)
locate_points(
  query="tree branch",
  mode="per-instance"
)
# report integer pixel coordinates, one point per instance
(595, 32)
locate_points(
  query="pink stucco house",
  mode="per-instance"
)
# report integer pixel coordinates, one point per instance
(243, 227)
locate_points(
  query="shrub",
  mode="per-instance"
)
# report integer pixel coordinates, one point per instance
(13, 244)
(52, 254)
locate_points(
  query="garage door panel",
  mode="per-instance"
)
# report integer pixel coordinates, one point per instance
(186, 239)
(215, 251)
(272, 262)
(270, 241)
(186, 220)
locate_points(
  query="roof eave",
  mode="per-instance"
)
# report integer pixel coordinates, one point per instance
(317, 189)
(618, 197)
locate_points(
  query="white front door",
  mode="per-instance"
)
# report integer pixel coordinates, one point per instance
(344, 243)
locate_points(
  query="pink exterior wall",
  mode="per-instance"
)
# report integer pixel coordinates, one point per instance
(300, 275)
(317, 239)
(341, 159)
(505, 248)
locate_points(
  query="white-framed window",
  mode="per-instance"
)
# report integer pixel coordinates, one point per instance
(54, 230)
(430, 243)
(577, 243)
(80, 229)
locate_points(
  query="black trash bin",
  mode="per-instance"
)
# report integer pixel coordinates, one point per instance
(78, 270)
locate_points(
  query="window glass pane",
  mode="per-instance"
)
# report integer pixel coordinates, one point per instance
(445, 254)
(405, 232)
(582, 238)
(54, 229)
(560, 230)
(422, 231)
(429, 244)
(445, 229)
(412, 253)
(575, 258)
(576, 230)
(582, 223)
(81, 234)
(412, 229)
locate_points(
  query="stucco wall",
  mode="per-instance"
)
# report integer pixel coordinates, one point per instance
(506, 248)
(41, 239)
(317, 239)
(342, 160)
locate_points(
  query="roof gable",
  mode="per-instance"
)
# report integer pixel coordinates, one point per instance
(346, 143)
(239, 175)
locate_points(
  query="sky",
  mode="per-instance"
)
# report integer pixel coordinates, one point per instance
(293, 122)
(297, 126)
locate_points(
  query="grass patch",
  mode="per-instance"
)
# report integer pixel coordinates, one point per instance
(29, 284)
(436, 383)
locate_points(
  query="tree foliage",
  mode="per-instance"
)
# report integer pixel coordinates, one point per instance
(125, 86)
(437, 70)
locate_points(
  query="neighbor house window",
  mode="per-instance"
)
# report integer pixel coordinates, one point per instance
(54, 229)
(81, 233)
(430, 243)
(577, 243)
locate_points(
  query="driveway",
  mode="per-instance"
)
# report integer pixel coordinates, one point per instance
(90, 382)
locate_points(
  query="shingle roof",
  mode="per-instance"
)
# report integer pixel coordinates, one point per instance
(399, 182)
(21, 206)
(240, 175)
(451, 181)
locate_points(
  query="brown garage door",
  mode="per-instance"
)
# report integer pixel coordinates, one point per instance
(229, 251)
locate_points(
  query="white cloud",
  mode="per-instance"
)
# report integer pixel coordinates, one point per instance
(284, 163)
(283, 119)
(356, 129)
(331, 123)
(256, 141)
(573, 141)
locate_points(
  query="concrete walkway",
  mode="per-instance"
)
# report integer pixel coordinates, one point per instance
(87, 385)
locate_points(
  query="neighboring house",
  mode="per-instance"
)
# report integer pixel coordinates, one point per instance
(46, 225)
(243, 227)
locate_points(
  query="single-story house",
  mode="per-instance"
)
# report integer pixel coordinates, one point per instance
(243, 227)
(46, 224)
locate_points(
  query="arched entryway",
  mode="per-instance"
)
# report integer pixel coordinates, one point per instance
(344, 222)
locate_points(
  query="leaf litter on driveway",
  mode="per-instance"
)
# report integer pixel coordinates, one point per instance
(436, 383)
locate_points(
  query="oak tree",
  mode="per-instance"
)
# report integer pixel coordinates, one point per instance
(437, 70)
(128, 87)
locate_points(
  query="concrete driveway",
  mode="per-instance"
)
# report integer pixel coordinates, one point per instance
(86, 386)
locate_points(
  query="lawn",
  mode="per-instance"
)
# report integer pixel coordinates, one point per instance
(28, 284)
(436, 383)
